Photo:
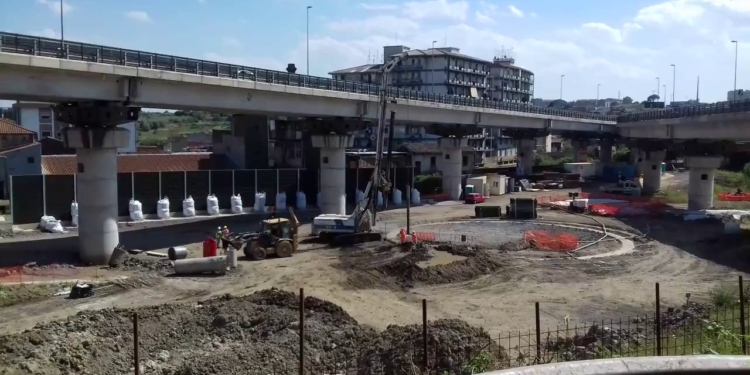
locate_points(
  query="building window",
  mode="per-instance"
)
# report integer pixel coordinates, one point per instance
(30, 160)
(433, 161)
(46, 134)
(418, 166)
(465, 160)
(447, 156)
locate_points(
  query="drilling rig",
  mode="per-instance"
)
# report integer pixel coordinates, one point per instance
(357, 227)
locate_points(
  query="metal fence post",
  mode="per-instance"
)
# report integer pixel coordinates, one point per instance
(44, 195)
(424, 335)
(742, 317)
(136, 359)
(301, 331)
(658, 322)
(538, 334)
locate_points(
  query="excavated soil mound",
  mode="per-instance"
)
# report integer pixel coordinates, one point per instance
(258, 333)
(403, 267)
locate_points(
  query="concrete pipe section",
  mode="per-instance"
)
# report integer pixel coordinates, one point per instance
(197, 266)
(333, 171)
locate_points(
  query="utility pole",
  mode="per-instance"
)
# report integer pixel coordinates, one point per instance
(62, 31)
(736, 45)
(561, 84)
(308, 39)
(658, 88)
(674, 80)
(597, 94)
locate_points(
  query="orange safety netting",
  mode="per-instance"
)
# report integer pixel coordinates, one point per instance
(627, 208)
(11, 275)
(549, 241)
(729, 197)
(421, 236)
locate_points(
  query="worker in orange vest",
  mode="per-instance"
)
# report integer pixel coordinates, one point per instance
(402, 234)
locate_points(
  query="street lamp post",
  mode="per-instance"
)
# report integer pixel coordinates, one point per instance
(658, 87)
(674, 72)
(597, 94)
(561, 84)
(432, 67)
(736, 46)
(308, 38)
(665, 92)
(62, 31)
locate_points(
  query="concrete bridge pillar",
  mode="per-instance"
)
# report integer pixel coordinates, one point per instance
(96, 138)
(333, 171)
(525, 156)
(651, 166)
(580, 152)
(451, 163)
(701, 181)
(605, 150)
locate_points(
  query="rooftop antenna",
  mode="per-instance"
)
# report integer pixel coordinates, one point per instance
(445, 40)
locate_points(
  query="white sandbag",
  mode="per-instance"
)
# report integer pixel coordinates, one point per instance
(237, 204)
(188, 207)
(54, 226)
(301, 200)
(212, 205)
(280, 202)
(359, 196)
(260, 202)
(396, 197)
(74, 213)
(136, 210)
(415, 198)
(162, 208)
(44, 221)
(380, 199)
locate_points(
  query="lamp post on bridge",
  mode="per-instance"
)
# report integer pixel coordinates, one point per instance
(674, 73)
(308, 39)
(561, 85)
(736, 48)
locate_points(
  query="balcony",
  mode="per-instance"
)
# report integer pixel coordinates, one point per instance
(408, 81)
(480, 72)
(404, 68)
(458, 82)
(513, 78)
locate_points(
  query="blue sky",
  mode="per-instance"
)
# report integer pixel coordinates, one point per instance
(622, 45)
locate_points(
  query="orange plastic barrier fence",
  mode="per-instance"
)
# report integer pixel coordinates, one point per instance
(11, 275)
(628, 208)
(552, 242)
(729, 197)
(421, 236)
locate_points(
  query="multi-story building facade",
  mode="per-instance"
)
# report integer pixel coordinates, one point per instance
(510, 83)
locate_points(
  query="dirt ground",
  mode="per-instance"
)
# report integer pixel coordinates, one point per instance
(497, 294)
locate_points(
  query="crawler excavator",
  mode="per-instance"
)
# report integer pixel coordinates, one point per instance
(357, 227)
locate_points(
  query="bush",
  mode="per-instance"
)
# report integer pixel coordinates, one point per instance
(723, 296)
(746, 170)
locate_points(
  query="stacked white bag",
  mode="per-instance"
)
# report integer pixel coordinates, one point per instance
(212, 205)
(188, 207)
(359, 196)
(74, 213)
(415, 199)
(281, 201)
(260, 202)
(136, 210)
(50, 224)
(237, 204)
(301, 201)
(380, 199)
(162, 208)
(396, 197)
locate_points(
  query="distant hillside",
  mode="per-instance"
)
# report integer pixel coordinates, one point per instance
(155, 128)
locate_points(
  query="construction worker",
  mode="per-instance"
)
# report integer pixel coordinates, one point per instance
(218, 236)
(225, 238)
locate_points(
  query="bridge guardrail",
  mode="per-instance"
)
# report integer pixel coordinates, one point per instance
(698, 110)
(38, 46)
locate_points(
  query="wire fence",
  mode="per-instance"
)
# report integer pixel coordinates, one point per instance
(436, 347)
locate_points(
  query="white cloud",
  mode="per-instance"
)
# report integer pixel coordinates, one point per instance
(484, 18)
(388, 25)
(138, 16)
(230, 42)
(54, 6)
(515, 11)
(379, 6)
(533, 15)
(436, 10)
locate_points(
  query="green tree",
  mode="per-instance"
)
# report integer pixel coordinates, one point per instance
(652, 98)
(627, 100)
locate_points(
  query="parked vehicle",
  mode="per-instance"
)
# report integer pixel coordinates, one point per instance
(473, 198)
(627, 187)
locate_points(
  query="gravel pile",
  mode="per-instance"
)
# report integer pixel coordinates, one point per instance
(258, 333)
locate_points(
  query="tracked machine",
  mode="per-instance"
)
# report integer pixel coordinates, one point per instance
(357, 227)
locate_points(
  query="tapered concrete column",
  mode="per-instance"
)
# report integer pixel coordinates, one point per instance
(96, 155)
(525, 156)
(605, 150)
(701, 181)
(580, 154)
(450, 165)
(332, 171)
(652, 171)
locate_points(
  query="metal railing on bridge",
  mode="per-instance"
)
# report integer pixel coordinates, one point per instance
(698, 110)
(37, 46)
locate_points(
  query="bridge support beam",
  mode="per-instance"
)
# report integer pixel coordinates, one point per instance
(605, 150)
(580, 152)
(701, 181)
(651, 166)
(525, 156)
(451, 165)
(96, 138)
(332, 171)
